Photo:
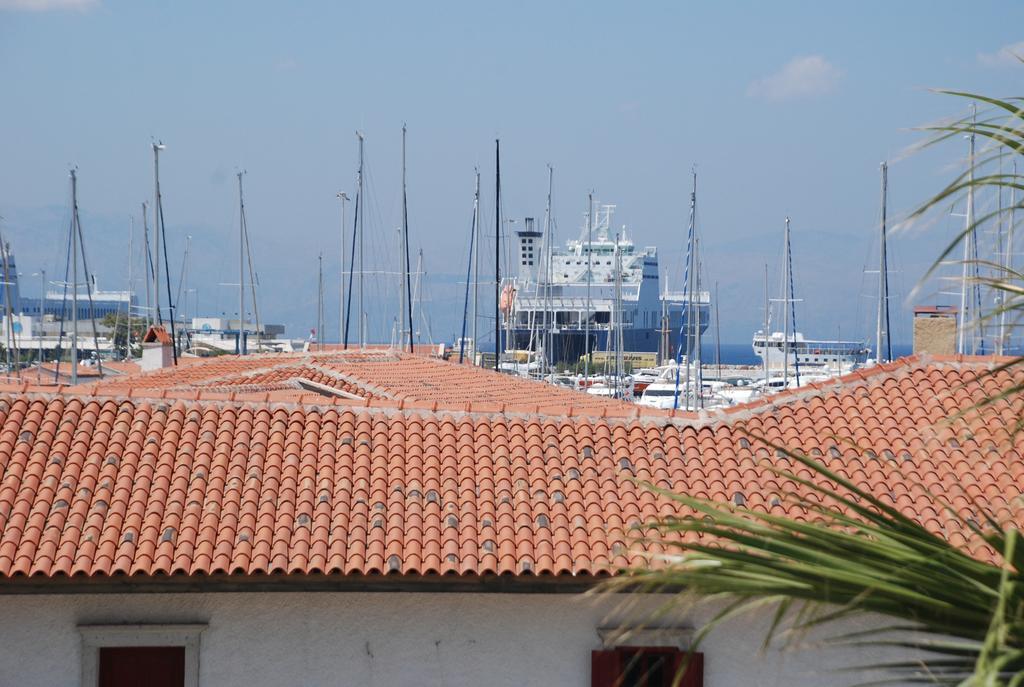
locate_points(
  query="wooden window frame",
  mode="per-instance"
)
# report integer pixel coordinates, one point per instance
(96, 637)
(674, 642)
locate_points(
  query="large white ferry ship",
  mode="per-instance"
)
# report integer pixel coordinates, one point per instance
(561, 299)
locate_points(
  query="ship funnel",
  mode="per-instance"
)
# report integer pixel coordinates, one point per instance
(529, 249)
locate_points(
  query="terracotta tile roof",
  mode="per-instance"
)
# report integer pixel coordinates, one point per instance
(100, 485)
(405, 379)
(157, 334)
(91, 372)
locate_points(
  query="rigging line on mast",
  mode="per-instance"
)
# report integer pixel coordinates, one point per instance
(117, 311)
(253, 276)
(12, 336)
(497, 254)
(356, 217)
(167, 270)
(147, 263)
(469, 270)
(181, 274)
(685, 322)
(88, 290)
(405, 241)
(63, 301)
(792, 310)
(381, 251)
(885, 262)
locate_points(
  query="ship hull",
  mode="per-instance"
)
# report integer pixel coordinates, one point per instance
(568, 346)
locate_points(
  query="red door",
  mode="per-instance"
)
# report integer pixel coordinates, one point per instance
(142, 666)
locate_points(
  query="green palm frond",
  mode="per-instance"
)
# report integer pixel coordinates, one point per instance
(855, 556)
(958, 615)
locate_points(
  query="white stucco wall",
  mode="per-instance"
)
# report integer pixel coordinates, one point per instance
(380, 639)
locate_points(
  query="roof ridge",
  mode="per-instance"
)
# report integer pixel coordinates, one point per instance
(361, 384)
(859, 377)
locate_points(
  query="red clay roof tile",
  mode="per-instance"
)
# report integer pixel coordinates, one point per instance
(103, 485)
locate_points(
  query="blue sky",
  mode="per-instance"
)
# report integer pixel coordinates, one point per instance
(785, 108)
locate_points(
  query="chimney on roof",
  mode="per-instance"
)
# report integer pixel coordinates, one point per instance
(935, 329)
(157, 349)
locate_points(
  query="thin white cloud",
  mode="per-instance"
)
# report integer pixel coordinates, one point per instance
(47, 5)
(801, 77)
(1006, 56)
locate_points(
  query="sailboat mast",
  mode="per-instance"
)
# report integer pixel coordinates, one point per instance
(590, 240)
(881, 332)
(476, 264)
(12, 339)
(692, 352)
(42, 304)
(343, 197)
(128, 330)
(967, 307)
(362, 211)
(546, 257)
(1008, 265)
(469, 276)
(615, 319)
(147, 263)
(74, 277)
(1004, 262)
(767, 316)
(417, 294)
(406, 287)
(320, 301)
(497, 253)
(186, 261)
(241, 267)
(161, 240)
(694, 302)
(157, 147)
(403, 268)
(787, 276)
(663, 343)
(718, 337)
(351, 260)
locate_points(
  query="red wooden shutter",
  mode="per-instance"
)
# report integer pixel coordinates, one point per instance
(694, 675)
(605, 668)
(154, 666)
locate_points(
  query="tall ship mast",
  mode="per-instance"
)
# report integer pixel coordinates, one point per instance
(575, 306)
(788, 350)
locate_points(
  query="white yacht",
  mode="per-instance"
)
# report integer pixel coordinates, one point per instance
(828, 354)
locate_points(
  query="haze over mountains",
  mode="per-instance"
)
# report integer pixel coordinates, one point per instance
(780, 121)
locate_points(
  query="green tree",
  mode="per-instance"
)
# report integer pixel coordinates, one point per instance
(125, 330)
